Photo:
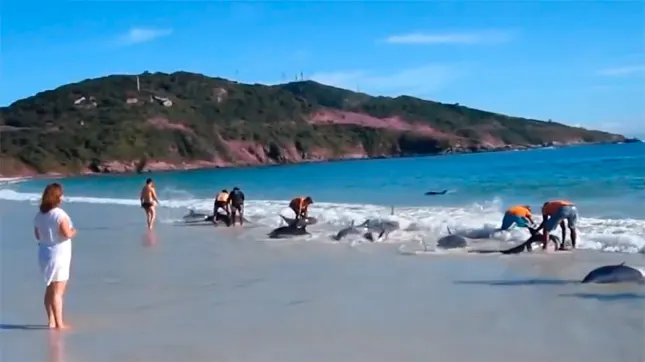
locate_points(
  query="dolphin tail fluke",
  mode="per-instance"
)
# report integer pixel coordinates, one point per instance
(533, 230)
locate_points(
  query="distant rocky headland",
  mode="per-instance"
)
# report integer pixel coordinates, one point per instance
(158, 121)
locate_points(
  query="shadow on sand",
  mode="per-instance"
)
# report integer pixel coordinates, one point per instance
(519, 282)
(605, 297)
(23, 327)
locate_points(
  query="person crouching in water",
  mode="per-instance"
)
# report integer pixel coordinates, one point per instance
(221, 202)
(519, 215)
(557, 212)
(300, 205)
(236, 202)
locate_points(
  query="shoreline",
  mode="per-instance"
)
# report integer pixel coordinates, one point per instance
(307, 301)
(201, 165)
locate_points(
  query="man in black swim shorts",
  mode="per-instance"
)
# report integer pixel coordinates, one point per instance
(148, 198)
(236, 201)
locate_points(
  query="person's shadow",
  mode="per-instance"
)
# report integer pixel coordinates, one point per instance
(23, 327)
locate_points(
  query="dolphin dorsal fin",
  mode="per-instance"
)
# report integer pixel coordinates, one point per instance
(621, 264)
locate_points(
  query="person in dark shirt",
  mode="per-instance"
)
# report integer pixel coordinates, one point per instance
(236, 202)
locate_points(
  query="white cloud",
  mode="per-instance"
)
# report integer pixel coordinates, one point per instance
(418, 80)
(621, 71)
(138, 35)
(482, 37)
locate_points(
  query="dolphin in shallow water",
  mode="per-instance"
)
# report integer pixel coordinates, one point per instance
(431, 193)
(197, 217)
(452, 241)
(368, 228)
(620, 273)
(288, 231)
(380, 226)
(309, 220)
(536, 237)
(350, 230)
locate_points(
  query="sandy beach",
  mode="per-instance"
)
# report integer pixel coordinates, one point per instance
(206, 294)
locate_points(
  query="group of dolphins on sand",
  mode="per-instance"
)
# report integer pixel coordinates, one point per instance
(618, 273)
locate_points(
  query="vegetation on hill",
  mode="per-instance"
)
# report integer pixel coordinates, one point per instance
(190, 119)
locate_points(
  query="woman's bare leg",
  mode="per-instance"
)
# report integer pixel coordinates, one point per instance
(49, 308)
(58, 296)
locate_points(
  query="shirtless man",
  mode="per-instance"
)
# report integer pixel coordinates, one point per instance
(149, 200)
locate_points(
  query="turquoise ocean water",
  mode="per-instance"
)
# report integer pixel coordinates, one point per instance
(607, 182)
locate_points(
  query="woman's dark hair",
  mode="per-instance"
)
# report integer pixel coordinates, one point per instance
(51, 197)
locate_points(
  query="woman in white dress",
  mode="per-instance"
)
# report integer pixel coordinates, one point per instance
(53, 229)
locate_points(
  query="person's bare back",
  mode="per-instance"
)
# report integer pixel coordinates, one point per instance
(148, 198)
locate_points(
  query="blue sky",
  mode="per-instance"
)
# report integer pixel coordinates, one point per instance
(578, 62)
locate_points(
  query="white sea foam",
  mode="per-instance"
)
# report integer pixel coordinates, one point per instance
(12, 180)
(417, 224)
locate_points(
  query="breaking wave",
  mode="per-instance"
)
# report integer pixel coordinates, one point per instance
(416, 223)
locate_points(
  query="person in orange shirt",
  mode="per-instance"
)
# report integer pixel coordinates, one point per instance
(300, 205)
(557, 212)
(519, 215)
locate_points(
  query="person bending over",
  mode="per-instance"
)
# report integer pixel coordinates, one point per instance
(221, 202)
(236, 202)
(557, 212)
(300, 205)
(519, 215)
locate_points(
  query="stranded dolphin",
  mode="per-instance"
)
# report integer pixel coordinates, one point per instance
(195, 216)
(452, 241)
(288, 231)
(536, 237)
(381, 226)
(198, 217)
(620, 273)
(368, 228)
(350, 230)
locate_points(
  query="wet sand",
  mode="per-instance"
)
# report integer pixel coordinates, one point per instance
(205, 294)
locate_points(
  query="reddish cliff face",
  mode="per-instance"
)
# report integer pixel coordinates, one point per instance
(395, 123)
